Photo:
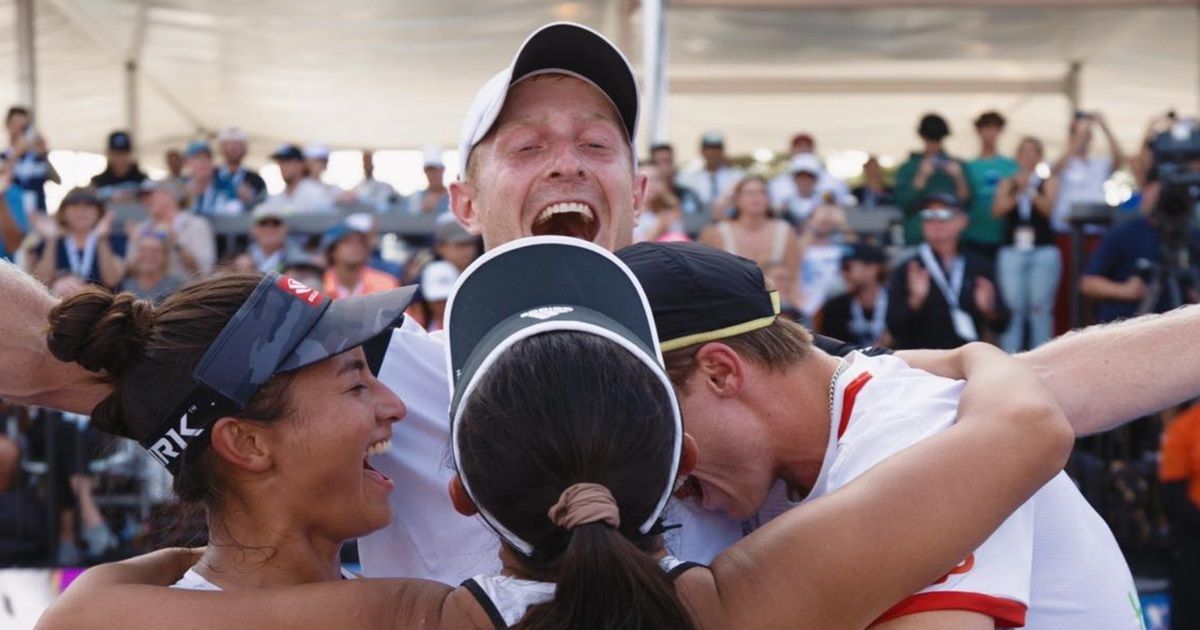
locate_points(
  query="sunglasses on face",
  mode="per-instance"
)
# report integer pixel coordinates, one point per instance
(270, 223)
(937, 214)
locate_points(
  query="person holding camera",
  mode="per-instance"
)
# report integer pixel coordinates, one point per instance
(1147, 264)
(928, 172)
(28, 159)
(1082, 174)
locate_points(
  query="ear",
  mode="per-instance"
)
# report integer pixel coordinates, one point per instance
(462, 204)
(241, 444)
(461, 500)
(640, 182)
(720, 370)
(689, 457)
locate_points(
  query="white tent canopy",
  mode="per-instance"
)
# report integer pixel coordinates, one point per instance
(367, 73)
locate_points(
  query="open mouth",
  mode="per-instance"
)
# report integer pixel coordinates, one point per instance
(377, 447)
(572, 219)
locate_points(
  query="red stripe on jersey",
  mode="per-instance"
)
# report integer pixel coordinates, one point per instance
(848, 398)
(1006, 612)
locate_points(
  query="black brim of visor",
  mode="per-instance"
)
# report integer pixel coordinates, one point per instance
(538, 279)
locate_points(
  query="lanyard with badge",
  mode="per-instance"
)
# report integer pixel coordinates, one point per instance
(1024, 235)
(964, 325)
(869, 332)
(81, 262)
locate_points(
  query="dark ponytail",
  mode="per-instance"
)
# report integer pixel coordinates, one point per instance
(606, 582)
(565, 408)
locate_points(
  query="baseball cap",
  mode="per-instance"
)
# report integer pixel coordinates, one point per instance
(558, 47)
(120, 141)
(539, 285)
(712, 139)
(232, 134)
(317, 151)
(283, 326)
(863, 252)
(805, 163)
(946, 199)
(437, 279)
(196, 147)
(335, 234)
(431, 156)
(451, 232)
(287, 152)
(700, 293)
(266, 211)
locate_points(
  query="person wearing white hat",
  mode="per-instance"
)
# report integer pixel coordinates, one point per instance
(435, 197)
(805, 172)
(437, 281)
(234, 180)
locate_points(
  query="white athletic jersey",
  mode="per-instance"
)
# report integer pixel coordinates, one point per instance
(193, 581)
(1053, 564)
(427, 537)
(506, 599)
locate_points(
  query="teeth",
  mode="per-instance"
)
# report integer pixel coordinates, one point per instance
(561, 208)
(379, 448)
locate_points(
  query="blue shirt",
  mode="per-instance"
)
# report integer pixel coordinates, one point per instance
(1125, 248)
(31, 172)
(14, 198)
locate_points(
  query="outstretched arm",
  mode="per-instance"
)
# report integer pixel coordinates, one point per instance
(841, 560)
(30, 375)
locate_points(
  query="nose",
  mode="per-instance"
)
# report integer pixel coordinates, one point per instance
(388, 406)
(566, 163)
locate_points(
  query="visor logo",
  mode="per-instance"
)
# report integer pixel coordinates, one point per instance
(174, 442)
(546, 312)
(300, 290)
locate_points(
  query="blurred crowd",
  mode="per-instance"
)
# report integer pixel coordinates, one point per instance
(942, 250)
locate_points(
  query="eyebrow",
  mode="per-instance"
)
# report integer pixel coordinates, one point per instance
(355, 365)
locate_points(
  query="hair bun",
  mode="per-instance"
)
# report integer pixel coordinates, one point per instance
(100, 331)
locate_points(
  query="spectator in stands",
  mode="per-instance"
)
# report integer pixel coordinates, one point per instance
(662, 217)
(175, 162)
(713, 182)
(821, 245)
(1147, 264)
(437, 281)
(22, 513)
(662, 156)
(753, 232)
(859, 315)
(149, 278)
(190, 242)
(77, 239)
(300, 195)
(28, 159)
(370, 191)
(1029, 264)
(205, 195)
(944, 297)
(1179, 472)
(874, 191)
(805, 172)
(434, 198)
(121, 176)
(455, 245)
(928, 172)
(347, 251)
(304, 268)
(234, 180)
(269, 250)
(14, 223)
(1082, 174)
(984, 174)
(783, 186)
(316, 161)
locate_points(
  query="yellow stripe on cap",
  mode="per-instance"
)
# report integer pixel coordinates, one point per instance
(724, 333)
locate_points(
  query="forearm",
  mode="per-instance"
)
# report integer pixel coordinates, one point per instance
(10, 232)
(31, 375)
(1101, 288)
(112, 268)
(1106, 375)
(44, 269)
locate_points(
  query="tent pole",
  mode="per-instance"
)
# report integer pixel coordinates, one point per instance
(654, 69)
(26, 55)
(132, 118)
(1073, 88)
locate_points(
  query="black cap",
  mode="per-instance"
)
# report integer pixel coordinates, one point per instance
(120, 141)
(944, 198)
(933, 127)
(287, 152)
(699, 293)
(539, 285)
(863, 252)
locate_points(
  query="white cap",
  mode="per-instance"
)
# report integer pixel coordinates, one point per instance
(360, 222)
(437, 279)
(806, 163)
(431, 155)
(232, 134)
(316, 151)
(558, 47)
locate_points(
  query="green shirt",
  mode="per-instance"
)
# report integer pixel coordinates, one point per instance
(909, 198)
(984, 176)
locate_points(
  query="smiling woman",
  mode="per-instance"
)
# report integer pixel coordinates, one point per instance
(253, 446)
